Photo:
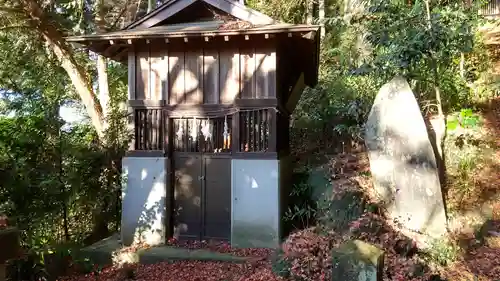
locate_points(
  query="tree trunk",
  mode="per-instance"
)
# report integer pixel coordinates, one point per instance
(438, 123)
(462, 65)
(310, 11)
(64, 53)
(102, 75)
(130, 13)
(102, 65)
(151, 5)
(67, 237)
(434, 65)
(321, 16)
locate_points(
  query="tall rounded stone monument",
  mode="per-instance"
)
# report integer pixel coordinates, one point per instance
(402, 160)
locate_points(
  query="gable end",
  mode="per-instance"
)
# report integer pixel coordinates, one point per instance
(171, 8)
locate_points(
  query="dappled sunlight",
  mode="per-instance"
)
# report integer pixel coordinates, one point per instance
(184, 184)
(157, 77)
(254, 183)
(143, 200)
(251, 181)
(194, 83)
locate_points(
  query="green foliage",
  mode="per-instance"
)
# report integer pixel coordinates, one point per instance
(58, 180)
(30, 267)
(292, 11)
(301, 210)
(465, 119)
(281, 265)
(342, 101)
(304, 213)
(338, 212)
(426, 48)
(467, 151)
(366, 49)
(443, 252)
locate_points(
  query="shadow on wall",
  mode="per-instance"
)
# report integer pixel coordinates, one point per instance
(216, 78)
(202, 196)
(143, 205)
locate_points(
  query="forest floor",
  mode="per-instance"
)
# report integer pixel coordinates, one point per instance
(467, 257)
(480, 244)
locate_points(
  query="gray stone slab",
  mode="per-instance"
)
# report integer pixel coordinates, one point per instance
(402, 160)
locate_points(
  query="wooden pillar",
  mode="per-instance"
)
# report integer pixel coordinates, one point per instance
(131, 127)
(3, 272)
(273, 130)
(235, 133)
(131, 96)
(169, 154)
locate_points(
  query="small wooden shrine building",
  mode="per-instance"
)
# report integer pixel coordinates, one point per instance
(212, 84)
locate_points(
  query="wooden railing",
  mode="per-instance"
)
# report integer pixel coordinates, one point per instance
(491, 9)
(149, 129)
(255, 130)
(188, 135)
(211, 135)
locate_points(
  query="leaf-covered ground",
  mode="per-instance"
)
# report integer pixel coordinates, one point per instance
(477, 259)
(187, 271)
(257, 268)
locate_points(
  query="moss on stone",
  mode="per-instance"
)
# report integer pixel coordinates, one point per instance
(357, 261)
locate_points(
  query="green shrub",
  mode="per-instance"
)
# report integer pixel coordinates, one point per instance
(29, 267)
(443, 252)
(280, 265)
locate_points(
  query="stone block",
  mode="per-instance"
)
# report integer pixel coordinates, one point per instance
(356, 260)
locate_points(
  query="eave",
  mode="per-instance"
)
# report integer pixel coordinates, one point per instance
(115, 45)
(146, 34)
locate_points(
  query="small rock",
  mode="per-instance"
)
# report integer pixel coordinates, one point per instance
(357, 261)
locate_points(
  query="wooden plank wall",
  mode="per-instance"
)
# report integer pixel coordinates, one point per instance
(205, 76)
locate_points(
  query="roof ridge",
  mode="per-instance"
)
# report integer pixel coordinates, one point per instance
(148, 14)
(231, 7)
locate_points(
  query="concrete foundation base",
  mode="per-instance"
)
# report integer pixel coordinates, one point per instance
(256, 200)
(143, 200)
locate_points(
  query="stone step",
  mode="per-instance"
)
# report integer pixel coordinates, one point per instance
(101, 253)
